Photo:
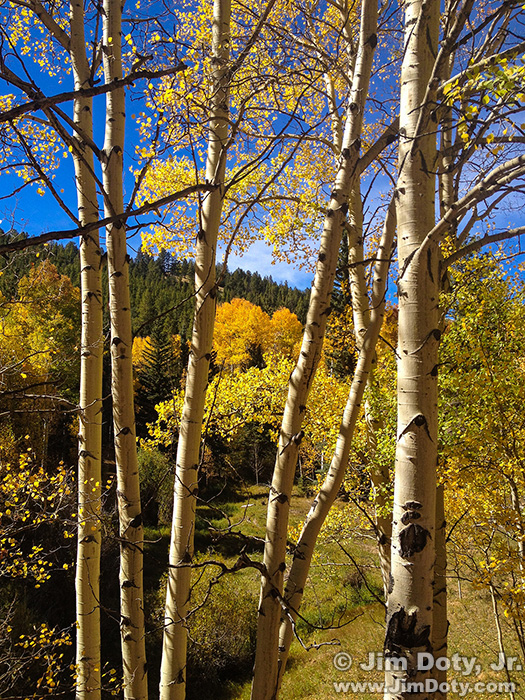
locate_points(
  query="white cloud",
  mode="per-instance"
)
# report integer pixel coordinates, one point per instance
(258, 258)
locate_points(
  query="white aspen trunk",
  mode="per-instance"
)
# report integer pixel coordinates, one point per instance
(173, 666)
(361, 319)
(410, 600)
(128, 488)
(440, 619)
(88, 662)
(265, 681)
(380, 478)
(335, 119)
(499, 631)
(324, 500)
(356, 269)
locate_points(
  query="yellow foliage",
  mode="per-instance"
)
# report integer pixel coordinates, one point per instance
(29, 497)
(240, 329)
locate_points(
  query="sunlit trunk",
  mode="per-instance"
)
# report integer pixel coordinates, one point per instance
(410, 600)
(440, 620)
(325, 498)
(128, 489)
(265, 682)
(173, 668)
(88, 666)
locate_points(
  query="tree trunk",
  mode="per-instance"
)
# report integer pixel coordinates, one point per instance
(361, 319)
(265, 682)
(440, 621)
(332, 483)
(410, 601)
(380, 478)
(173, 667)
(128, 488)
(88, 662)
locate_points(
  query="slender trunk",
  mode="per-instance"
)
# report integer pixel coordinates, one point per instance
(410, 600)
(380, 478)
(516, 507)
(265, 682)
(361, 317)
(440, 621)
(128, 488)
(499, 631)
(325, 498)
(173, 667)
(88, 666)
(356, 266)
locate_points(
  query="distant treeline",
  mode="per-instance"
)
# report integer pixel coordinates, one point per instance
(161, 287)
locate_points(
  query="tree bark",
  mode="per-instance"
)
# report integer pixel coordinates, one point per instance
(88, 662)
(173, 666)
(128, 488)
(410, 600)
(361, 317)
(380, 479)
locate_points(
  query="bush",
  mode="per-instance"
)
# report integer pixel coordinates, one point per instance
(222, 632)
(156, 486)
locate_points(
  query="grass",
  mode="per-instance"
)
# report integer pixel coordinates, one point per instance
(221, 652)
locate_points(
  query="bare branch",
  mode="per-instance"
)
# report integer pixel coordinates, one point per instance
(481, 242)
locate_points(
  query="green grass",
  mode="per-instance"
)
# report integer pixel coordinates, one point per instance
(222, 632)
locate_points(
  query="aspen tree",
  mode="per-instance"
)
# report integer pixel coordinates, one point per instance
(220, 138)
(265, 680)
(324, 500)
(128, 490)
(410, 600)
(88, 661)
(361, 315)
(173, 665)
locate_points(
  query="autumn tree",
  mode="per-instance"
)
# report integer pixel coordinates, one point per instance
(481, 438)
(32, 151)
(39, 365)
(427, 61)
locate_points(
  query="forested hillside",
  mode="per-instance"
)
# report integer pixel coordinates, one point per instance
(160, 286)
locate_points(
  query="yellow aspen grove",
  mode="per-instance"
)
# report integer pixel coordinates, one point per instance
(88, 661)
(173, 664)
(410, 600)
(265, 682)
(128, 490)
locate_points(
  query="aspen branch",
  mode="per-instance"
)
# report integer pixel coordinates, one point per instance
(42, 101)
(440, 66)
(47, 20)
(251, 41)
(93, 226)
(481, 242)
(494, 181)
(390, 135)
(513, 52)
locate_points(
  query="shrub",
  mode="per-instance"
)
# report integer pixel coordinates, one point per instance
(156, 486)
